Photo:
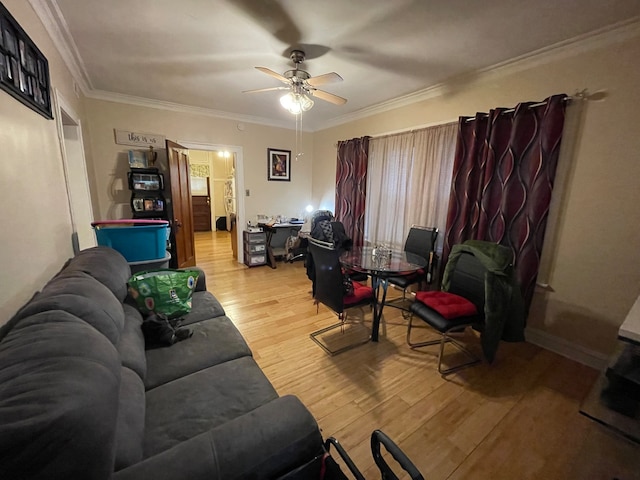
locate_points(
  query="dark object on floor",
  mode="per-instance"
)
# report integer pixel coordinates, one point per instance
(332, 470)
(221, 223)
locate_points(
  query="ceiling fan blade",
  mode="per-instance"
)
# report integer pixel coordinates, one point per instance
(268, 71)
(329, 97)
(265, 89)
(323, 79)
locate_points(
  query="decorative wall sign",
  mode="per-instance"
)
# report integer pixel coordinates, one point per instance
(24, 70)
(199, 170)
(124, 137)
(279, 164)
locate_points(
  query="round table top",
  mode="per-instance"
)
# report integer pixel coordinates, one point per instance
(363, 260)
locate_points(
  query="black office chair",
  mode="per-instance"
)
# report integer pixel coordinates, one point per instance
(453, 313)
(420, 241)
(329, 289)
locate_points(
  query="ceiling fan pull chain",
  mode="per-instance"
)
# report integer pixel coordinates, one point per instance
(298, 136)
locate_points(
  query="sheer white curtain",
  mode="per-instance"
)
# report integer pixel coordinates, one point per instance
(408, 182)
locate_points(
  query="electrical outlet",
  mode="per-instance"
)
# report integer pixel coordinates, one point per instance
(247, 193)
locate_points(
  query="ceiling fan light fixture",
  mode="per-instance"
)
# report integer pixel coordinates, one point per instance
(296, 103)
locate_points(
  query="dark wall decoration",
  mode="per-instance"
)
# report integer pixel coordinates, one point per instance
(24, 70)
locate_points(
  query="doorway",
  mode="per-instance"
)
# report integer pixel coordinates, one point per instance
(223, 187)
(75, 174)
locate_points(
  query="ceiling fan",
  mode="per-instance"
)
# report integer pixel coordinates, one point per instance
(301, 85)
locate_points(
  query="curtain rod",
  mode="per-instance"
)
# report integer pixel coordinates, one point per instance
(568, 98)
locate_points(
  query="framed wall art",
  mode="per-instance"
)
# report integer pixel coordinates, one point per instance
(279, 164)
(24, 70)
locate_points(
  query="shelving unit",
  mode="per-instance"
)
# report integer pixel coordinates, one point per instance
(255, 248)
(147, 199)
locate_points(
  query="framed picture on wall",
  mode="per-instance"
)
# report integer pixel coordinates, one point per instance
(278, 164)
(24, 70)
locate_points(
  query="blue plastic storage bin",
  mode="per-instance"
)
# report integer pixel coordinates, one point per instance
(136, 242)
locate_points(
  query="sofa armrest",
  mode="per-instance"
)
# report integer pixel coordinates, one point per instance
(201, 284)
(263, 444)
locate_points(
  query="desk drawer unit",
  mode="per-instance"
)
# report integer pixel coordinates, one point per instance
(254, 237)
(255, 248)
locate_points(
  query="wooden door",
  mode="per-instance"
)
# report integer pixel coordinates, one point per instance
(202, 208)
(201, 213)
(182, 220)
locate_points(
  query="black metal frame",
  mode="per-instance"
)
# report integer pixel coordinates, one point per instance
(444, 339)
(24, 70)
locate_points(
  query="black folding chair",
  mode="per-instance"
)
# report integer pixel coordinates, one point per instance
(420, 241)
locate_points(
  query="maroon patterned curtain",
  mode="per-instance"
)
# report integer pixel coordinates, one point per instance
(502, 181)
(351, 186)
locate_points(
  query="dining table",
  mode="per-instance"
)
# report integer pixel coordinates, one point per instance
(380, 264)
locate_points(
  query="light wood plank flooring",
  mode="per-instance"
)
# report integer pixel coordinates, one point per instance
(516, 419)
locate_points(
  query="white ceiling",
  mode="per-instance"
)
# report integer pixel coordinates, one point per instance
(201, 53)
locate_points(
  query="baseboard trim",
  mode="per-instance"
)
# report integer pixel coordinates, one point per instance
(568, 349)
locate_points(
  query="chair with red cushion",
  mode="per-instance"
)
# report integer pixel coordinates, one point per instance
(460, 307)
(330, 290)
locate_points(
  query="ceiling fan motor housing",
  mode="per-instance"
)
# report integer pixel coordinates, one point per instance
(297, 56)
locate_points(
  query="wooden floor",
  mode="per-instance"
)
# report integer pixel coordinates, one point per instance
(516, 419)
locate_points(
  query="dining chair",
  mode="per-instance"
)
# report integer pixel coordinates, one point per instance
(461, 306)
(334, 291)
(420, 241)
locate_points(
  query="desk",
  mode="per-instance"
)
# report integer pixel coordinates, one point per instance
(277, 235)
(361, 259)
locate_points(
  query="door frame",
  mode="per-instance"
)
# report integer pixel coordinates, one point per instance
(79, 192)
(239, 176)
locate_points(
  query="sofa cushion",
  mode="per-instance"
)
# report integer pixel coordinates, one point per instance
(130, 424)
(213, 341)
(191, 405)
(59, 399)
(131, 344)
(106, 265)
(205, 306)
(12, 322)
(268, 442)
(84, 297)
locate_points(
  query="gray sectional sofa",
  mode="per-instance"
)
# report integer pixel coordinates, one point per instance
(81, 398)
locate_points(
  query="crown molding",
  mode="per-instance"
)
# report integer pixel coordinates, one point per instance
(615, 33)
(180, 108)
(56, 26)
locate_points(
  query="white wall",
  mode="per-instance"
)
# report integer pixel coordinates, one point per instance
(110, 165)
(593, 255)
(36, 223)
